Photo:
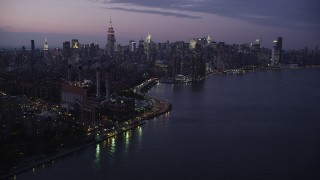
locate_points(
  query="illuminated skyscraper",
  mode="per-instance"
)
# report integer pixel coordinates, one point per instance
(148, 38)
(192, 43)
(75, 43)
(258, 41)
(148, 47)
(111, 41)
(257, 45)
(132, 45)
(276, 56)
(45, 45)
(209, 39)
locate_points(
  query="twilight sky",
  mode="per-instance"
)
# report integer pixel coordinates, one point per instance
(231, 21)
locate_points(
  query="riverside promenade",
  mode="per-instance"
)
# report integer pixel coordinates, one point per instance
(159, 105)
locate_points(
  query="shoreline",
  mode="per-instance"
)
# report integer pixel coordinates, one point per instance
(154, 112)
(149, 115)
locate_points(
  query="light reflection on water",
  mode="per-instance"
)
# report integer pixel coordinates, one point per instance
(138, 136)
(104, 144)
(112, 145)
(139, 132)
(97, 156)
(127, 136)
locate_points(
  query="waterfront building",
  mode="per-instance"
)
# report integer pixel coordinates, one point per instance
(256, 46)
(73, 93)
(198, 63)
(276, 57)
(119, 108)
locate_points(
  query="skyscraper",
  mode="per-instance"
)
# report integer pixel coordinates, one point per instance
(198, 63)
(148, 47)
(192, 43)
(75, 43)
(66, 49)
(132, 45)
(202, 41)
(256, 46)
(209, 39)
(45, 45)
(32, 53)
(276, 57)
(148, 38)
(32, 47)
(258, 43)
(111, 41)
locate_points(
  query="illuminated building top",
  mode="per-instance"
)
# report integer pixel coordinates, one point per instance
(258, 41)
(111, 40)
(277, 51)
(148, 38)
(209, 39)
(192, 43)
(75, 44)
(110, 29)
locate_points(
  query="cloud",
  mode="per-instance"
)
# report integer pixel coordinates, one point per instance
(19, 39)
(163, 13)
(5, 27)
(277, 13)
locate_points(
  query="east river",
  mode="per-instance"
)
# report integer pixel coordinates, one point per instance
(259, 125)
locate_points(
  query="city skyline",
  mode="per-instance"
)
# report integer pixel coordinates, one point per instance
(228, 21)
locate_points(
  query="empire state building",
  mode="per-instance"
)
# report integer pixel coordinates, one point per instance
(111, 41)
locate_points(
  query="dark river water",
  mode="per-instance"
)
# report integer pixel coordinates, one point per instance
(260, 125)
